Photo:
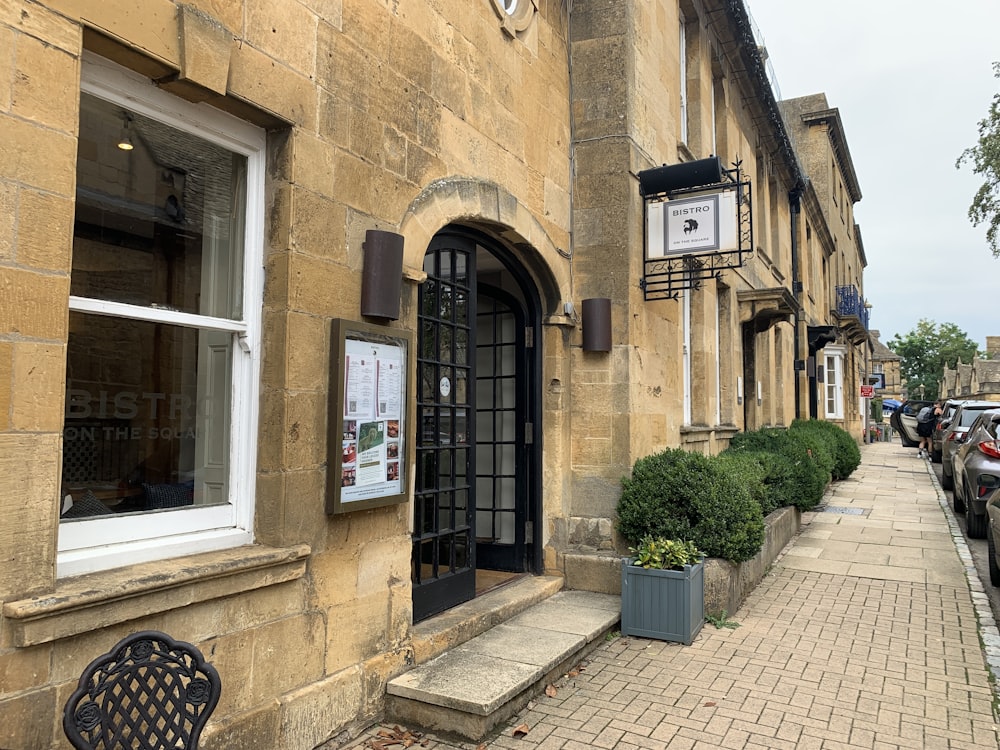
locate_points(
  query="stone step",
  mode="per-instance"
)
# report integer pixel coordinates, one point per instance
(470, 688)
(451, 628)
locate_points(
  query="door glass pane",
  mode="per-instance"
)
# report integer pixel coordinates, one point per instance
(506, 355)
(445, 564)
(462, 550)
(445, 515)
(484, 425)
(461, 346)
(461, 456)
(505, 522)
(484, 526)
(484, 459)
(445, 474)
(507, 498)
(444, 270)
(425, 505)
(507, 423)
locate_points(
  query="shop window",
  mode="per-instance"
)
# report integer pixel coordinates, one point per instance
(164, 327)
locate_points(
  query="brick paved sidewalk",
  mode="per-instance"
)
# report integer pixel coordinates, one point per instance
(863, 635)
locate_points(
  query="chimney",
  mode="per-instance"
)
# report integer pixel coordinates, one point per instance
(993, 347)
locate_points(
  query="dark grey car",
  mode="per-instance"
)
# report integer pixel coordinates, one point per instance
(954, 436)
(948, 409)
(992, 500)
(976, 468)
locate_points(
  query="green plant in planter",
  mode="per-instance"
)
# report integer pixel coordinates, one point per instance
(665, 554)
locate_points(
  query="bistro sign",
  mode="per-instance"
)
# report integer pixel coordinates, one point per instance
(691, 226)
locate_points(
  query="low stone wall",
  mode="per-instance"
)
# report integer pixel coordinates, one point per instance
(727, 584)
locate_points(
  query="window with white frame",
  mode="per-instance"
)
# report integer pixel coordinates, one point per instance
(162, 368)
(833, 376)
(682, 84)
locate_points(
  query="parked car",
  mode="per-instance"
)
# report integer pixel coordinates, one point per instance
(948, 409)
(976, 468)
(992, 501)
(904, 422)
(962, 420)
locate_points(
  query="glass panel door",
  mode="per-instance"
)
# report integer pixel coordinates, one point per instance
(443, 558)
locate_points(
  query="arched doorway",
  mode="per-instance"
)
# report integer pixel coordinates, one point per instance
(477, 497)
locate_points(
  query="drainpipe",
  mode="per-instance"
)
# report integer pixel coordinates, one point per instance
(795, 204)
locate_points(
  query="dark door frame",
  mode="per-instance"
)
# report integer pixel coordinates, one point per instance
(470, 241)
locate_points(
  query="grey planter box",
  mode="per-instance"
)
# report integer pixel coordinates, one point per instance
(668, 605)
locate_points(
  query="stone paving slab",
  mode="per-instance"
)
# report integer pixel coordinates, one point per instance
(827, 653)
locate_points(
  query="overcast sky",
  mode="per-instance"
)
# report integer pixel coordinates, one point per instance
(912, 80)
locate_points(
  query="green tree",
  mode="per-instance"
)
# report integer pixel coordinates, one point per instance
(924, 352)
(985, 159)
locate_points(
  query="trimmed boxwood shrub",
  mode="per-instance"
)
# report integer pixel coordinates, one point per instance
(680, 495)
(801, 478)
(845, 451)
(719, 503)
(766, 476)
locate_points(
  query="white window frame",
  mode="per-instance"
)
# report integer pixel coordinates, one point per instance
(686, 354)
(833, 381)
(106, 542)
(718, 359)
(683, 81)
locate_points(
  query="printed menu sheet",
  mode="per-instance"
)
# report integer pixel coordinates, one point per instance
(373, 408)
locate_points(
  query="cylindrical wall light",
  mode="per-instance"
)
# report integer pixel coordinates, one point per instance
(597, 324)
(382, 275)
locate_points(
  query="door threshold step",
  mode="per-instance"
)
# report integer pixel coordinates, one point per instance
(455, 626)
(471, 688)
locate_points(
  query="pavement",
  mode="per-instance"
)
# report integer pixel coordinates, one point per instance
(871, 631)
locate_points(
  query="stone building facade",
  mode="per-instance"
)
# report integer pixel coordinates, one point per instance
(833, 264)
(978, 379)
(192, 195)
(885, 362)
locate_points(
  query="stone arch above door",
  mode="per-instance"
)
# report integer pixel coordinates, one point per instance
(490, 208)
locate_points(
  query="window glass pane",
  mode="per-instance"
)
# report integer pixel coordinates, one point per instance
(160, 225)
(147, 416)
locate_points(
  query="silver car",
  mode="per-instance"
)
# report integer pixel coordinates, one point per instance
(954, 436)
(976, 468)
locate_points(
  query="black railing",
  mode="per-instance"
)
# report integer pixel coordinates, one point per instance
(851, 303)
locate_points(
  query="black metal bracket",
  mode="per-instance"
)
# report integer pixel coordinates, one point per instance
(666, 278)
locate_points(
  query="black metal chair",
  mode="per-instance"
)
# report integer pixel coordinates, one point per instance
(149, 692)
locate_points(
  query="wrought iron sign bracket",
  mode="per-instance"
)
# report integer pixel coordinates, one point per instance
(667, 276)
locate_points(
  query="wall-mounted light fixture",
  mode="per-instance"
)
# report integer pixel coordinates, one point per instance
(382, 275)
(597, 325)
(125, 141)
(688, 174)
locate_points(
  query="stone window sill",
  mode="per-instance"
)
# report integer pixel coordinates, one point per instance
(96, 600)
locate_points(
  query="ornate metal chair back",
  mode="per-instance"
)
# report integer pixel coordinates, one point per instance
(149, 692)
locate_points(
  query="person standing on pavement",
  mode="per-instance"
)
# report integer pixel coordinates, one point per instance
(926, 421)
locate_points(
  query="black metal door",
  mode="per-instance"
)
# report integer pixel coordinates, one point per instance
(444, 554)
(501, 427)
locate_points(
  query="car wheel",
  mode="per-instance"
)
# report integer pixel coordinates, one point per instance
(957, 502)
(994, 567)
(936, 456)
(947, 480)
(975, 526)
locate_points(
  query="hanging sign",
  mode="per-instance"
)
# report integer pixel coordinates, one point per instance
(867, 391)
(692, 226)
